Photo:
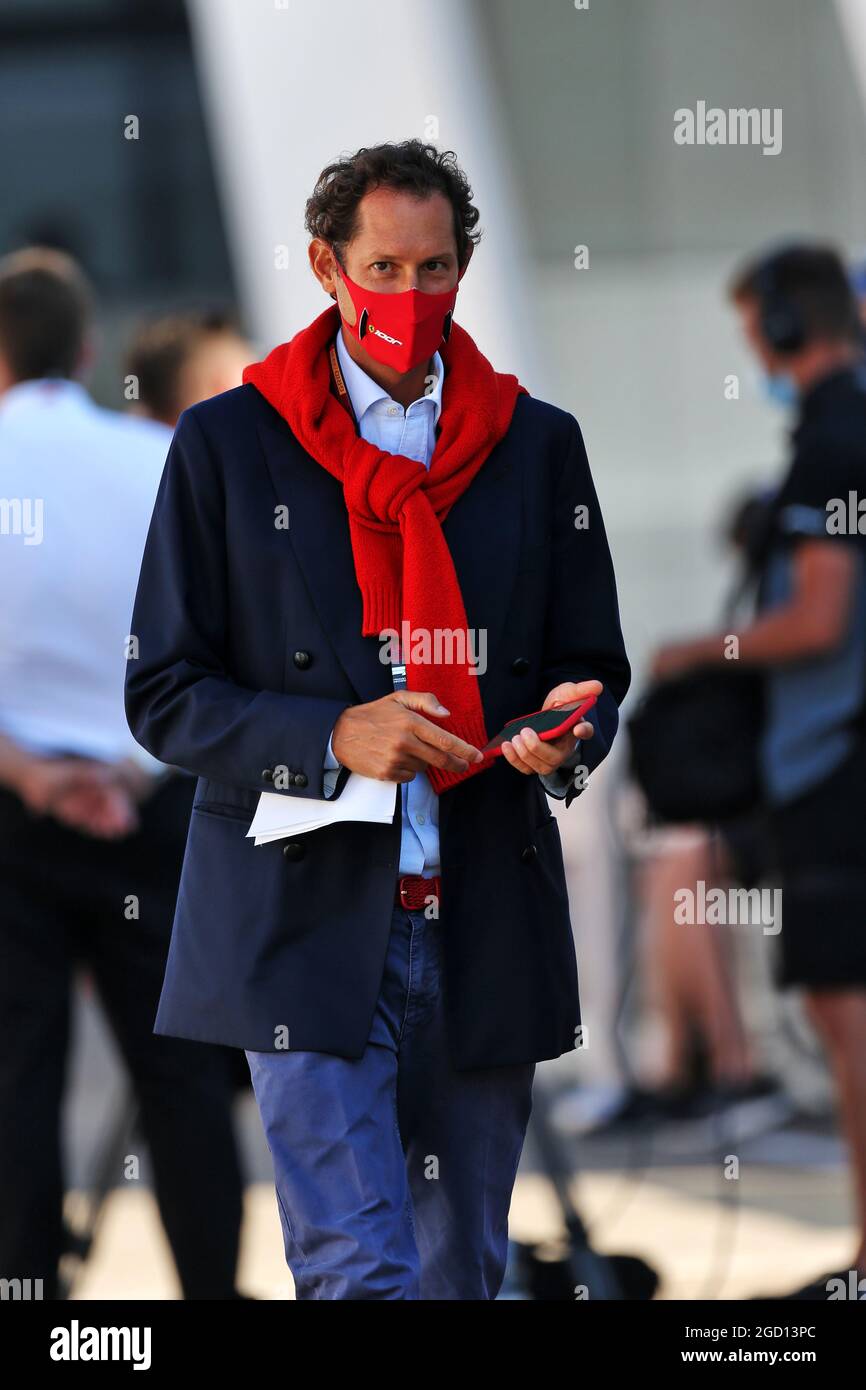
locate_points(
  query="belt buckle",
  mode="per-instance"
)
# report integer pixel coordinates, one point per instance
(429, 886)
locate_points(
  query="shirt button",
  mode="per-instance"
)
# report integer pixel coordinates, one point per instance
(421, 819)
(393, 410)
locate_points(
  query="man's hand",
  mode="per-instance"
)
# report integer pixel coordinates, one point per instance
(42, 782)
(390, 739)
(677, 658)
(107, 812)
(529, 754)
(96, 798)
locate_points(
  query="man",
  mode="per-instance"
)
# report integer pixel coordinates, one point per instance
(91, 829)
(180, 359)
(809, 638)
(392, 1044)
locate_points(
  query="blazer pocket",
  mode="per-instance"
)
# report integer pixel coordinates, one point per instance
(222, 799)
(213, 809)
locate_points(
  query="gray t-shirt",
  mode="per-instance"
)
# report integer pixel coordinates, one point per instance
(815, 707)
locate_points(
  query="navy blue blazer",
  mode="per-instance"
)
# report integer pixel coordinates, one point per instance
(249, 647)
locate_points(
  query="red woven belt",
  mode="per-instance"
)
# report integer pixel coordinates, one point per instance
(414, 891)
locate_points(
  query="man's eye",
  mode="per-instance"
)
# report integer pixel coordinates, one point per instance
(381, 265)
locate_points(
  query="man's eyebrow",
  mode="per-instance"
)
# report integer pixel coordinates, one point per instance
(391, 256)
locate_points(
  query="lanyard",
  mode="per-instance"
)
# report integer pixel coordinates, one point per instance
(398, 668)
(342, 390)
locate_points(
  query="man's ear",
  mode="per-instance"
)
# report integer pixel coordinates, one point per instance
(323, 264)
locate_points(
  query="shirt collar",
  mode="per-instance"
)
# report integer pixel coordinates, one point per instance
(364, 391)
(41, 393)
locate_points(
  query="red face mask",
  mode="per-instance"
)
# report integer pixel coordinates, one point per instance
(400, 330)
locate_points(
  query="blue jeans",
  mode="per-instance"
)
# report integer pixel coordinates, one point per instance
(394, 1172)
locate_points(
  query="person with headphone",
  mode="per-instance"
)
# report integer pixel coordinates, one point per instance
(799, 316)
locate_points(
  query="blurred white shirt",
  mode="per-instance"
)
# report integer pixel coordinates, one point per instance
(77, 488)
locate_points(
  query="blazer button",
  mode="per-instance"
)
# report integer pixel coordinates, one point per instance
(303, 660)
(529, 854)
(520, 666)
(294, 851)
(268, 775)
(300, 779)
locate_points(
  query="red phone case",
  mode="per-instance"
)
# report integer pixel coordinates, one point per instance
(570, 718)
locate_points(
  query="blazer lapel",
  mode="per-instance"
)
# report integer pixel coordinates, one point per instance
(482, 530)
(319, 533)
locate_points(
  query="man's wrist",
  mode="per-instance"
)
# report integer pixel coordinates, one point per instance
(336, 735)
(16, 770)
(560, 779)
(332, 770)
(332, 762)
(19, 779)
(571, 761)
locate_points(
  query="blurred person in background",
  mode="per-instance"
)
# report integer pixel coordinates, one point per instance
(180, 359)
(707, 1076)
(858, 285)
(91, 828)
(800, 318)
(709, 1069)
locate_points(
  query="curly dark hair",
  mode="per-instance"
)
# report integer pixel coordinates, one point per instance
(332, 210)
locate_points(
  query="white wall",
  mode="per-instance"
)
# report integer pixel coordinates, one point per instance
(288, 88)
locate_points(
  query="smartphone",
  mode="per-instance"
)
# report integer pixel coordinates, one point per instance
(547, 723)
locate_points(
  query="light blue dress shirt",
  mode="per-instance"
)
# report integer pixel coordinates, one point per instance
(411, 432)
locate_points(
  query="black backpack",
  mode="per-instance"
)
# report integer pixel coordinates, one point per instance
(695, 739)
(694, 746)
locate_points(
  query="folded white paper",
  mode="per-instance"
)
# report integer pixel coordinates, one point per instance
(362, 798)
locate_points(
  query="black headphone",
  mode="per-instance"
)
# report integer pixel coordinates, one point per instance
(781, 321)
